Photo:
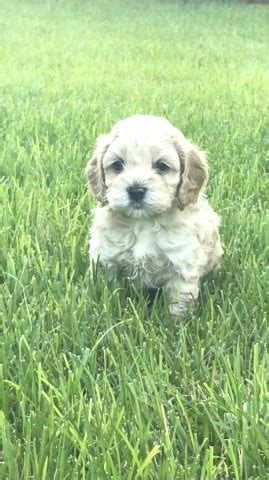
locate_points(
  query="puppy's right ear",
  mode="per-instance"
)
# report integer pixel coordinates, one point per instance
(94, 170)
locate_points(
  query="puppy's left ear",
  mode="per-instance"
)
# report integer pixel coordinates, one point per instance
(194, 172)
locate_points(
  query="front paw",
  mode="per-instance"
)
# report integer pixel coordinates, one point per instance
(176, 309)
(180, 308)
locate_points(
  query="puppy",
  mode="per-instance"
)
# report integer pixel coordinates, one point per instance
(152, 222)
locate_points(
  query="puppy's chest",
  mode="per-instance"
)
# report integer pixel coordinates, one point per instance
(145, 245)
(144, 256)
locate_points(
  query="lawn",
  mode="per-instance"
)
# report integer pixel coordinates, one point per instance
(92, 386)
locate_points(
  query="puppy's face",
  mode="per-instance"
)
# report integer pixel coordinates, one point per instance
(142, 165)
(141, 174)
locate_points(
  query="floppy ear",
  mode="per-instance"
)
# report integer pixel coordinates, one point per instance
(194, 172)
(94, 169)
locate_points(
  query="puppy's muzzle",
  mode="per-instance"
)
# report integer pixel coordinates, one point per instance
(136, 193)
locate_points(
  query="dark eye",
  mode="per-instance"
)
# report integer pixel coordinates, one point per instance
(118, 166)
(161, 166)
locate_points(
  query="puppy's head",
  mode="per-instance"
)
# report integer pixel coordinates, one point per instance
(144, 166)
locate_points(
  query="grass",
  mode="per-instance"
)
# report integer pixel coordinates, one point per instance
(91, 386)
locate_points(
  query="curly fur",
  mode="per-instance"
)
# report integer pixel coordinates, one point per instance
(170, 239)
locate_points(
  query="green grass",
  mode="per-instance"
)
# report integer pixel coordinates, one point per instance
(91, 386)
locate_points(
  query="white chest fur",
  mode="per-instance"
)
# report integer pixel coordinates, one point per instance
(155, 250)
(127, 245)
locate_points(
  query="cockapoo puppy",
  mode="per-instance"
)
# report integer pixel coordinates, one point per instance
(152, 222)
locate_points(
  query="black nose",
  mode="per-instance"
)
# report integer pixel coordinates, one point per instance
(136, 192)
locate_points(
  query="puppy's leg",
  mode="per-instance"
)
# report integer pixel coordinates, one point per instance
(182, 292)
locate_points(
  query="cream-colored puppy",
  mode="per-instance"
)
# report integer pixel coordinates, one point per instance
(152, 221)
